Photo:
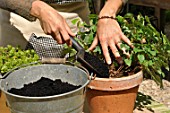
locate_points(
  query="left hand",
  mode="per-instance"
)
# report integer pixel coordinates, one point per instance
(110, 35)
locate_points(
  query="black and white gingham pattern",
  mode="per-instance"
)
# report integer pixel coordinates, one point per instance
(46, 47)
(63, 1)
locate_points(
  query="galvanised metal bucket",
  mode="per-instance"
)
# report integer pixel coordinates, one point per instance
(70, 102)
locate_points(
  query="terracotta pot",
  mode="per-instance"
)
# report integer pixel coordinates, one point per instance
(3, 105)
(113, 95)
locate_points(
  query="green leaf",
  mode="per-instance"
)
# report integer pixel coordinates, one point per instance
(150, 63)
(98, 50)
(120, 19)
(141, 58)
(74, 21)
(137, 50)
(153, 53)
(128, 62)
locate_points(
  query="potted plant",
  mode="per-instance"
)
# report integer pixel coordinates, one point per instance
(117, 94)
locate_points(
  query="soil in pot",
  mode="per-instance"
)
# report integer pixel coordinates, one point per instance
(110, 69)
(44, 87)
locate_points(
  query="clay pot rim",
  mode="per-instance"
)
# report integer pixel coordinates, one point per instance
(116, 84)
(119, 79)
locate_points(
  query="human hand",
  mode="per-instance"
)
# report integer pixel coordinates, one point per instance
(52, 22)
(110, 35)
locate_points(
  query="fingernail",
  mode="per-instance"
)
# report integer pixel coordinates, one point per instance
(109, 62)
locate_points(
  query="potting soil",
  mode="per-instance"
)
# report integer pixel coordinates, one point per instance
(44, 87)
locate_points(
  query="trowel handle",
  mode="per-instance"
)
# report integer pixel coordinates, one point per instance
(53, 60)
(76, 45)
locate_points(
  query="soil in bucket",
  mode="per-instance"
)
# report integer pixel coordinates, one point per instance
(44, 87)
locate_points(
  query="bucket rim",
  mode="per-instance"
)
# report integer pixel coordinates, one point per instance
(49, 97)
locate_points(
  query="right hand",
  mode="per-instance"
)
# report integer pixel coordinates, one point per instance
(52, 22)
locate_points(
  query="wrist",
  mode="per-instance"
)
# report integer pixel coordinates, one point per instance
(105, 13)
(37, 7)
(111, 8)
(106, 17)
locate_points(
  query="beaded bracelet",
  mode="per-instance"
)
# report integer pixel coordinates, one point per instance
(106, 17)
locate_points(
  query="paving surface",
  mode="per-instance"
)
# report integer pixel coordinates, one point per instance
(152, 99)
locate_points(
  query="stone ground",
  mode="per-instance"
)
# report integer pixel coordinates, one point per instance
(151, 98)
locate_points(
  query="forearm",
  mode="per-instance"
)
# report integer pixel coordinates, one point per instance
(39, 7)
(112, 7)
(20, 7)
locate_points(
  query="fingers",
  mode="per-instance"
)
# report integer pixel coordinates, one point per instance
(114, 44)
(110, 36)
(67, 39)
(123, 49)
(116, 53)
(69, 30)
(125, 39)
(55, 25)
(66, 32)
(94, 44)
(62, 34)
(106, 53)
(54, 32)
(57, 37)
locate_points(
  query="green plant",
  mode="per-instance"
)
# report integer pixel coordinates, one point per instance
(151, 48)
(12, 57)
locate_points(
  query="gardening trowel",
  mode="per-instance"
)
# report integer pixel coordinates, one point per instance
(91, 62)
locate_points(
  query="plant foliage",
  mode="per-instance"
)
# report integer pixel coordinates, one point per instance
(151, 48)
(12, 57)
